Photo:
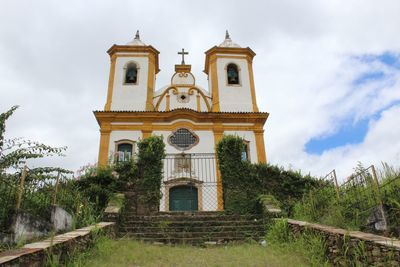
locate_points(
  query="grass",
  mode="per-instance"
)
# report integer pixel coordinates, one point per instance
(125, 252)
(357, 202)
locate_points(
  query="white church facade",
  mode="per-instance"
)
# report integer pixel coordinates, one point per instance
(190, 118)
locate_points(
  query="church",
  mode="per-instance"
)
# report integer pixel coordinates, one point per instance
(191, 119)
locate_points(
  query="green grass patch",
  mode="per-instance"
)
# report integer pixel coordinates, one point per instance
(127, 252)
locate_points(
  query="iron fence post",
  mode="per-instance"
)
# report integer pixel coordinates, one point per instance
(56, 189)
(336, 184)
(21, 188)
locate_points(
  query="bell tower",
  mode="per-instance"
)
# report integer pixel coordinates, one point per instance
(230, 75)
(132, 76)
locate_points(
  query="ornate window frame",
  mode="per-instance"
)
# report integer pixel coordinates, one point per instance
(186, 182)
(239, 74)
(124, 141)
(125, 69)
(180, 148)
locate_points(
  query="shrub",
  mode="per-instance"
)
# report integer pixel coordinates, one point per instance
(244, 182)
(150, 166)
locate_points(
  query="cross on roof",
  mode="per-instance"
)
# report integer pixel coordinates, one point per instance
(183, 53)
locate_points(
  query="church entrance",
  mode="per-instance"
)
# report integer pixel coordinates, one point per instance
(183, 198)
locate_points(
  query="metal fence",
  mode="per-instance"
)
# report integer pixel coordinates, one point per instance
(190, 182)
(28, 191)
(367, 197)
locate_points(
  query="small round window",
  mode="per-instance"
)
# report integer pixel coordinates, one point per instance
(183, 139)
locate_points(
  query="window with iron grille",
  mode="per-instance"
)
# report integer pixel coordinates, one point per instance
(183, 139)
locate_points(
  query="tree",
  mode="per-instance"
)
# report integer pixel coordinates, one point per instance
(16, 151)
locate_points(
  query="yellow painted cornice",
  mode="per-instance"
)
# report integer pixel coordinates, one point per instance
(183, 68)
(212, 53)
(136, 49)
(103, 117)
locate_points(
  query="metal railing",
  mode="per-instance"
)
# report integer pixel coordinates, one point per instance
(29, 192)
(195, 172)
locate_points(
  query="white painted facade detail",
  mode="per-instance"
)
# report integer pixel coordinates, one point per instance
(130, 96)
(234, 97)
(117, 136)
(182, 104)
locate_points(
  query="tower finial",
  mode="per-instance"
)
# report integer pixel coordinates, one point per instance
(227, 35)
(137, 37)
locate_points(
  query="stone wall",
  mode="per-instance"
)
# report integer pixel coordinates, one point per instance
(37, 254)
(353, 247)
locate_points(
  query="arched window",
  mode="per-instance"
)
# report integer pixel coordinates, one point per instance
(232, 73)
(131, 73)
(124, 151)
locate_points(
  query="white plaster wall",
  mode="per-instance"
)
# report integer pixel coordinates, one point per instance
(183, 78)
(206, 145)
(236, 97)
(130, 96)
(206, 142)
(123, 135)
(175, 104)
(248, 136)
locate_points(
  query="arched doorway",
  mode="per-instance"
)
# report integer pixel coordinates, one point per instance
(183, 198)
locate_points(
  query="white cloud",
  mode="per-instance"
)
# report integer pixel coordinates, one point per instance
(53, 63)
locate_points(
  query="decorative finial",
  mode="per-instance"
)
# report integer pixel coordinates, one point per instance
(137, 37)
(227, 35)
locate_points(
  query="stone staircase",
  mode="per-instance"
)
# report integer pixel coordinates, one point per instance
(197, 228)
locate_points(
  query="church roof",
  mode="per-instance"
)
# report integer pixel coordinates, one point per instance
(228, 42)
(181, 113)
(136, 41)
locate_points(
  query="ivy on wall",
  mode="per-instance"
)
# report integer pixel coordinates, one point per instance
(150, 166)
(244, 183)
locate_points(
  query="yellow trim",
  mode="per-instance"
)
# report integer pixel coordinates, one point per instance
(259, 136)
(110, 83)
(252, 87)
(146, 130)
(214, 85)
(212, 117)
(132, 55)
(175, 91)
(191, 92)
(146, 134)
(115, 49)
(183, 68)
(180, 124)
(237, 57)
(166, 91)
(167, 104)
(219, 51)
(198, 102)
(150, 84)
(218, 133)
(104, 146)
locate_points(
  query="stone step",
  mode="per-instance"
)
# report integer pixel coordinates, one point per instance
(188, 224)
(213, 235)
(190, 218)
(187, 228)
(194, 241)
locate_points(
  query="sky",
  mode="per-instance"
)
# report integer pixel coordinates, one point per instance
(328, 72)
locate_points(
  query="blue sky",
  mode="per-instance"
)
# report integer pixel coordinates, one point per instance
(348, 130)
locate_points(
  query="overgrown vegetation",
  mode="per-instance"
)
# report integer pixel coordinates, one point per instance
(244, 182)
(150, 165)
(309, 244)
(359, 205)
(86, 196)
